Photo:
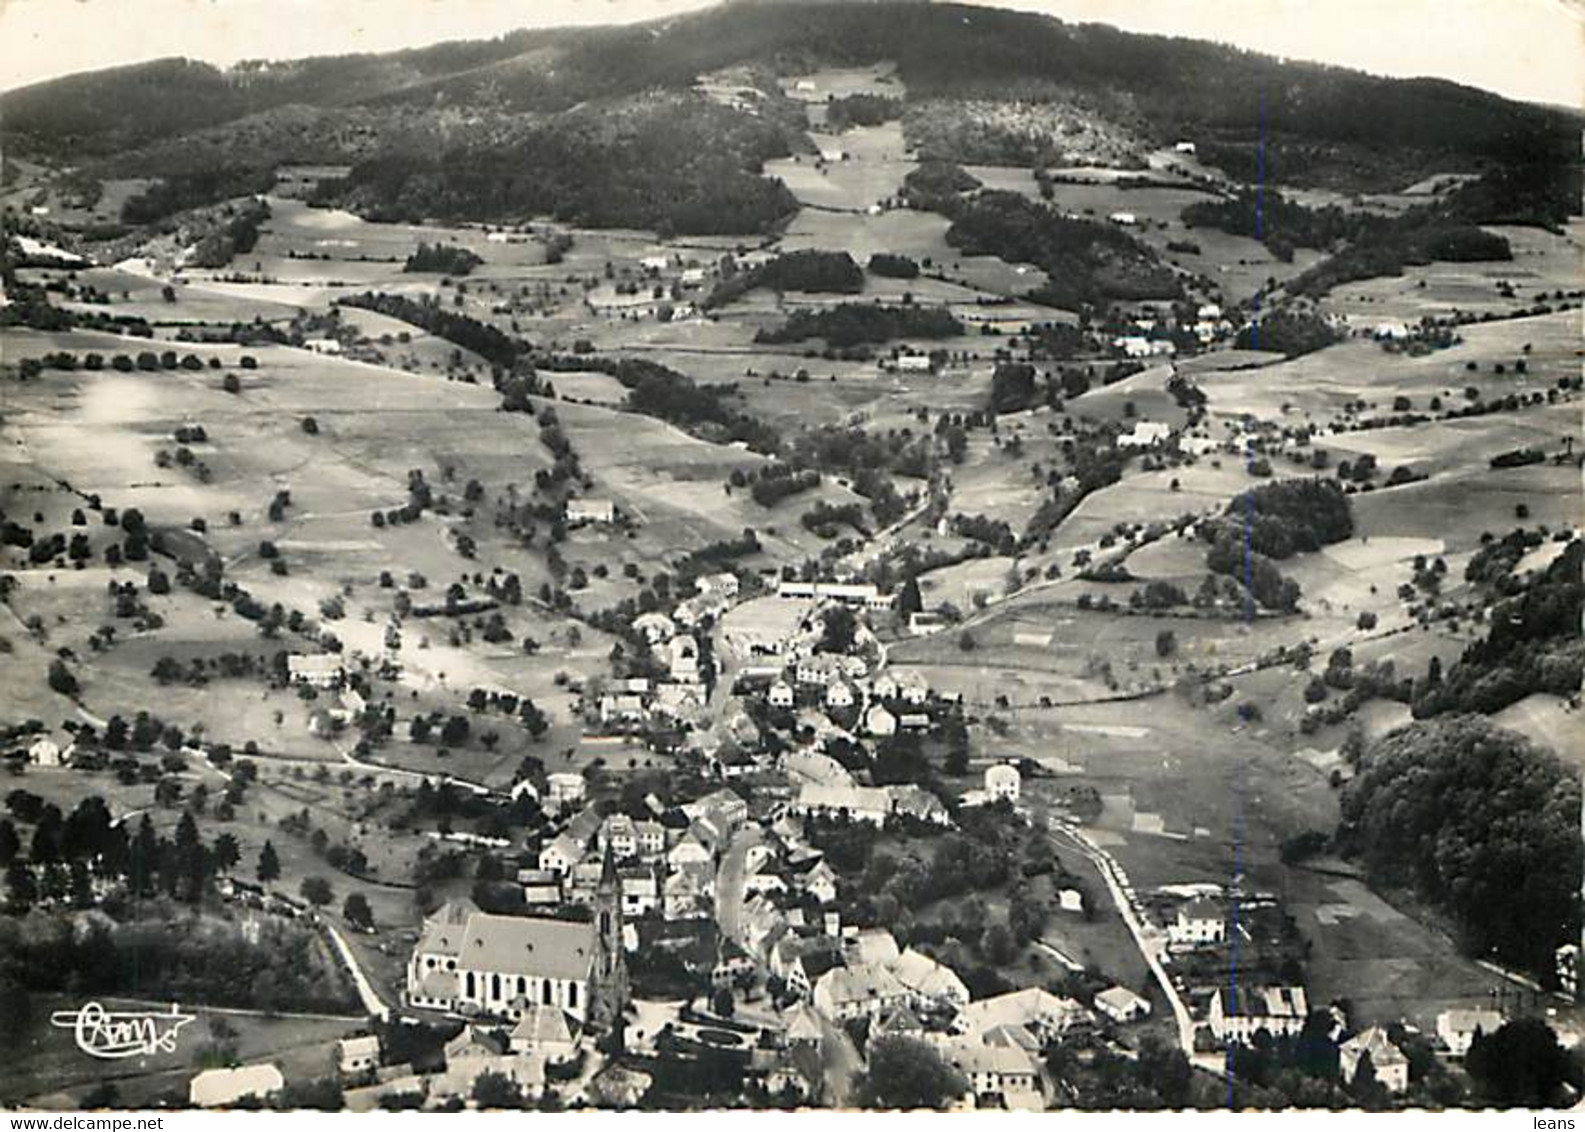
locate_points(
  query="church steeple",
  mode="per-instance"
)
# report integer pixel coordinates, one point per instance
(608, 993)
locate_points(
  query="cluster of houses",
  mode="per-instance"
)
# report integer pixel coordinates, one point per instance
(1151, 337)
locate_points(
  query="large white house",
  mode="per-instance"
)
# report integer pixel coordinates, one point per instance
(1199, 922)
(1238, 1014)
(1457, 1028)
(215, 1088)
(1386, 1060)
(1002, 782)
(317, 670)
(590, 511)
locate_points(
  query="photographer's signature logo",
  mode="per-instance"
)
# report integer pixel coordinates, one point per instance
(102, 1033)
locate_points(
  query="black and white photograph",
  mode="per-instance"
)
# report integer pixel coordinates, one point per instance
(803, 556)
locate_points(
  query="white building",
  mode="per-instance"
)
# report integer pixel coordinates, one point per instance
(1126, 219)
(581, 511)
(502, 965)
(725, 584)
(1199, 922)
(217, 1088)
(566, 788)
(45, 752)
(781, 694)
(880, 722)
(318, 670)
(1387, 1060)
(857, 803)
(1138, 346)
(853, 992)
(1184, 147)
(930, 982)
(849, 593)
(655, 627)
(683, 658)
(1006, 1071)
(1003, 782)
(1238, 1014)
(1146, 434)
(1457, 1028)
(839, 694)
(358, 1056)
(543, 1030)
(1122, 1005)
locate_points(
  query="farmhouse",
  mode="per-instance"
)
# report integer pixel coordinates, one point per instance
(566, 788)
(682, 655)
(1184, 147)
(357, 1056)
(1034, 1010)
(1239, 1013)
(860, 594)
(1138, 346)
(1126, 219)
(858, 803)
(45, 752)
(580, 511)
(217, 1088)
(855, 992)
(318, 670)
(655, 262)
(477, 1051)
(655, 627)
(1146, 434)
(914, 363)
(1122, 1005)
(1002, 782)
(1387, 1060)
(1457, 1028)
(930, 982)
(322, 345)
(1199, 922)
(725, 584)
(1005, 1071)
(880, 722)
(780, 694)
(543, 1030)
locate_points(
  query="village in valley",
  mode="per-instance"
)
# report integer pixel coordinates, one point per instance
(945, 599)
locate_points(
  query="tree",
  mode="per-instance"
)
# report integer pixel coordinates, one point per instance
(61, 679)
(497, 1090)
(840, 626)
(316, 890)
(906, 1073)
(269, 864)
(10, 845)
(1482, 823)
(356, 911)
(226, 852)
(1521, 1064)
(1166, 643)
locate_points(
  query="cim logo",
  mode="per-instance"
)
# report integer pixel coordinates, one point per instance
(102, 1033)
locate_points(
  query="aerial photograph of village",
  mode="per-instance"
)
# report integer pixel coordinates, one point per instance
(795, 554)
